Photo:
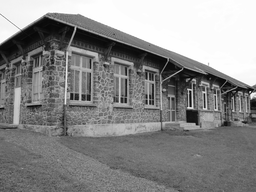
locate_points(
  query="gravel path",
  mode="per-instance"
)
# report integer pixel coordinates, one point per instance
(83, 169)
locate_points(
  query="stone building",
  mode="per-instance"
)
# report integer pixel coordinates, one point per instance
(67, 74)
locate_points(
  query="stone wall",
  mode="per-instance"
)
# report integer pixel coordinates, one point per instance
(6, 112)
(49, 112)
(104, 111)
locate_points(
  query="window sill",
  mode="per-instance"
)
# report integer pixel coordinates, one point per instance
(33, 104)
(122, 106)
(152, 107)
(74, 103)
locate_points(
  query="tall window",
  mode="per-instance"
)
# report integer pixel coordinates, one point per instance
(215, 99)
(17, 81)
(150, 86)
(190, 90)
(2, 86)
(233, 103)
(121, 84)
(204, 95)
(81, 78)
(37, 78)
(246, 103)
(240, 102)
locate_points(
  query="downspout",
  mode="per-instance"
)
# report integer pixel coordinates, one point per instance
(66, 83)
(228, 103)
(161, 93)
(221, 113)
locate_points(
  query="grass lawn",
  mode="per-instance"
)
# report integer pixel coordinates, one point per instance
(223, 159)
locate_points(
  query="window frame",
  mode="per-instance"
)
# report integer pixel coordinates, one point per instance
(129, 66)
(17, 75)
(31, 55)
(246, 102)
(155, 72)
(2, 82)
(205, 99)
(39, 70)
(191, 91)
(233, 104)
(94, 58)
(216, 97)
(240, 101)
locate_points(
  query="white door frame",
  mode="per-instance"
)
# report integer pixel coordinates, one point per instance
(172, 110)
(16, 110)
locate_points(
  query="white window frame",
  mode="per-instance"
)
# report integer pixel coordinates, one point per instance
(2, 85)
(190, 91)
(155, 72)
(216, 97)
(205, 93)
(246, 102)
(94, 58)
(233, 103)
(17, 74)
(31, 55)
(240, 102)
(129, 65)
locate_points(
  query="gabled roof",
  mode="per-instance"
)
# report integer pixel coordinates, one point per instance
(94, 27)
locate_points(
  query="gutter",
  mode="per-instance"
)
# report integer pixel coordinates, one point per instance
(66, 83)
(161, 90)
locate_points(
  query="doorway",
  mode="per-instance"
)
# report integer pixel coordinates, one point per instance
(171, 108)
(17, 94)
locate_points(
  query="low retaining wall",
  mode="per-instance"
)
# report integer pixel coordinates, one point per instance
(47, 130)
(101, 130)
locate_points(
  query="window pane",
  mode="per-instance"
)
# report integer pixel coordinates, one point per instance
(146, 92)
(76, 86)
(190, 98)
(116, 97)
(124, 90)
(86, 63)
(72, 75)
(173, 103)
(124, 70)
(84, 84)
(77, 60)
(117, 68)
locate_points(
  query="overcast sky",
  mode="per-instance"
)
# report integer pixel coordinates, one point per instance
(221, 33)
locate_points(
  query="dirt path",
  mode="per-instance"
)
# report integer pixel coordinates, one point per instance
(33, 162)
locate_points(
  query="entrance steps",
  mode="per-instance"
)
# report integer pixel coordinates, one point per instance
(181, 126)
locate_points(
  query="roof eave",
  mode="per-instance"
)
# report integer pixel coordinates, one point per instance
(90, 31)
(22, 30)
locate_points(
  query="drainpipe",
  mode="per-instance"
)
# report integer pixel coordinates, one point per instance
(161, 94)
(66, 83)
(228, 100)
(161, 88)
(221, 113)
